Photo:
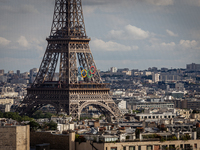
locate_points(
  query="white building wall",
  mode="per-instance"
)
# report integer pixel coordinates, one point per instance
(113, 69)
(122, 104)
(155, 77)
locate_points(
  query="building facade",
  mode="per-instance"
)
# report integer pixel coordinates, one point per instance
(193, 67)
(15, 137)
(139, 105)
(140, 145)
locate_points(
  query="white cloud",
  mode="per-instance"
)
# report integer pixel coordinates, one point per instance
(135, 47)
(172, 44)
(129, 33)
(161, 2)
(116, 33)
(99, 44)
(23, 42)
(136, 33)
(187, 44)
(157, 45)
(4, 41)
(87, 10)
(171, 33)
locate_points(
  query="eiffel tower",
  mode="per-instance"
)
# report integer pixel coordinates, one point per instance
(77, 87)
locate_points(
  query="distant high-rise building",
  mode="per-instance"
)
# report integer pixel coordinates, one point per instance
(33, 73)
(56, 77)
(121, 70)
(18, 73)
(133, 71)
(113, 69)
(147, 73)
(11, 72)
(155, 77)
(193, 67)
(1, 72)
(164, 69)
(154, 69)
(168, 77)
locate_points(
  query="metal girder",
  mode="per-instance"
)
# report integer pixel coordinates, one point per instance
(68, 19)
(68, 43)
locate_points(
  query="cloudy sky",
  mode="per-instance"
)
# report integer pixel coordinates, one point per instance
(124, 33)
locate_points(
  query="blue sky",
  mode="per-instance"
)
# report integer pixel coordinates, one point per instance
(131, 33)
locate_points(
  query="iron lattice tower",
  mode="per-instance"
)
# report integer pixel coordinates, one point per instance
(68, 44)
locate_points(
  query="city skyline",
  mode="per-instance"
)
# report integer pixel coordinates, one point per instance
(15, 71)
(133, 34)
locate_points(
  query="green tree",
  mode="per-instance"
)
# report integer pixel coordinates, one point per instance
(162, 139)
(15, 116)
(34, 125)
(52, 125)
(38, 114)
(12, 115)
(48, 115)
(136, 111)
(174, 138)
(1, 114)
(77, 137)
(26, 118)
(137, 133)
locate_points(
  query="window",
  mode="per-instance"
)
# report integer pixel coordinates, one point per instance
(149, 117)
(181, 146)
(145, 117)
(168, 116)
(149, 147)
(153, 117)
(124, 148)
(156, 147)
(172, 147)
(165, 116)
(131, 147)
(164, 147)
(139, 147)
(156, 116)
(187, 146)
(195, 145)
(113, 148)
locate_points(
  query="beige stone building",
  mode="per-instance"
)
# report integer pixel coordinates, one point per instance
(195, 116)
(141, 145)
(184, 113)
(15, 137)
(4, 101)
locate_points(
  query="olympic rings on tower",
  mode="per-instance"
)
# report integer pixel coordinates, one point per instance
(86, 72)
